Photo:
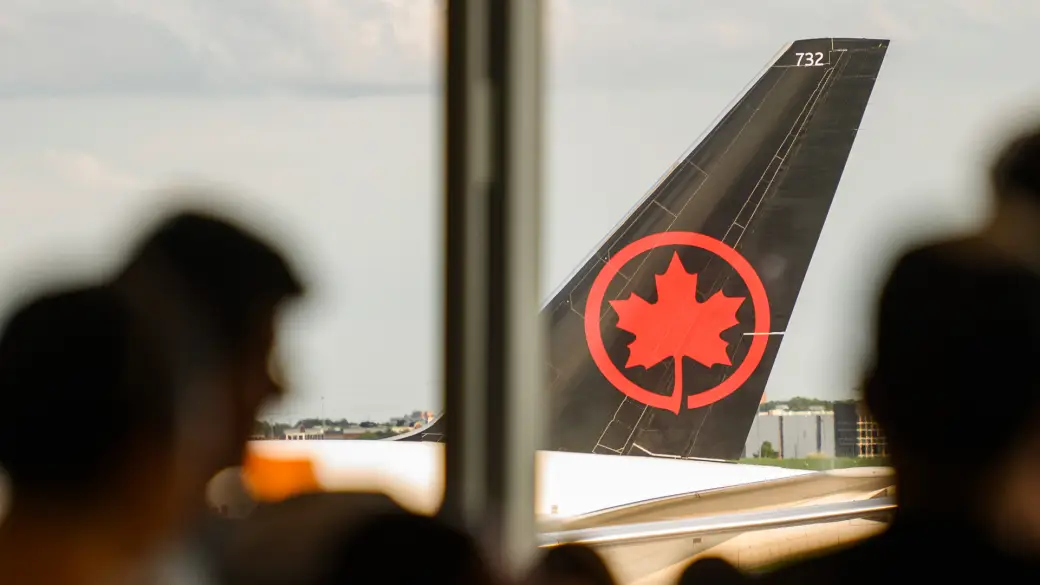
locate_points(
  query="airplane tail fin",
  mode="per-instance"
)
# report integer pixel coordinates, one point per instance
(662, 341)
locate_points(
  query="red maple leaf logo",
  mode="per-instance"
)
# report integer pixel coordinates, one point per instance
(677, 325)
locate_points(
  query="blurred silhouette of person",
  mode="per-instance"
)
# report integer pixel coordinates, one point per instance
(216, 292)
(1014, 178)
(87, 441)
(711, 571)
(292, 542)
(571, 564)
(430, 551)
(955, 389)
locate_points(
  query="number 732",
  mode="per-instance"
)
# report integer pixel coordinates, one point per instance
(809, 59)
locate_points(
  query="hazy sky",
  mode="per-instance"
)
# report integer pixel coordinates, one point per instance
(322, 116)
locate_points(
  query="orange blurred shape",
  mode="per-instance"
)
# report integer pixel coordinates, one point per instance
(271, 479)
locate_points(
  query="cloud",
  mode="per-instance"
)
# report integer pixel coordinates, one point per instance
(232, 45)
(890, 23)
(349, 47)
(731, 33)
(89, 172)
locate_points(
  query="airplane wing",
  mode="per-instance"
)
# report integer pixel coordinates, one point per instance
(802, 489)
(656, 553)
(721, 524)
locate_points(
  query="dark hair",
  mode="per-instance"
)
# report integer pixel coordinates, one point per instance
(573, 563)
(1016, 169)
(429, 549)
(83, 386)
(713, 570)
(956, 347)
(229, 275)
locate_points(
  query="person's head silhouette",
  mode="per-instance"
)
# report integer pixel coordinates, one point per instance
(216, 290)
(571, 564)
(87, 440)
(1014, 179)
(955, 384)
(1015, 171)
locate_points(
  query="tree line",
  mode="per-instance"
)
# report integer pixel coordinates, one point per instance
(800, 403)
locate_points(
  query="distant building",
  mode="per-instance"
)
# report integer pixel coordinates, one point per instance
(420, 417)
(348, 433)
(846, 431)
(311, 434)
(858, 433)
(792, 434)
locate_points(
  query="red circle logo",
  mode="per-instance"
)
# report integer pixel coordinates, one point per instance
(760, 303)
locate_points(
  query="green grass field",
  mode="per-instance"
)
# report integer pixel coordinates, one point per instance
(818, 463)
